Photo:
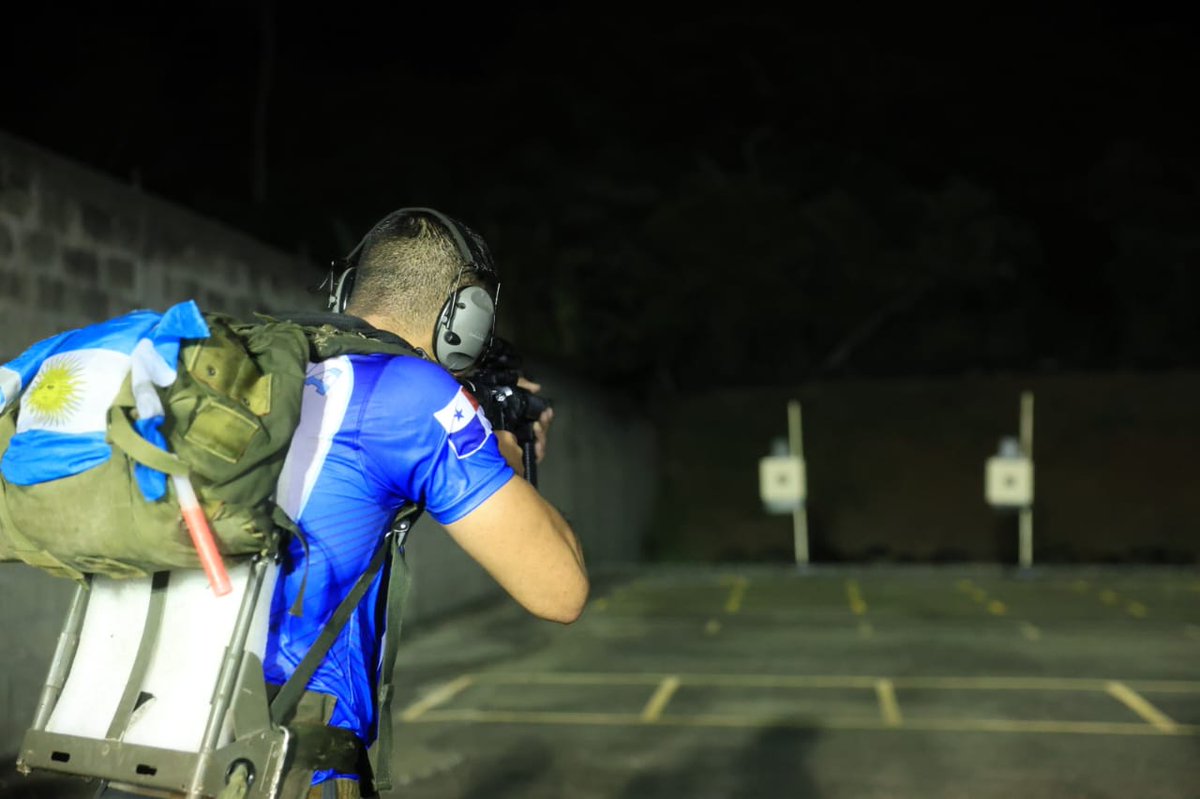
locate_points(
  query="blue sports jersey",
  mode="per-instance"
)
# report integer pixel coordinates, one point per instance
(375, 431)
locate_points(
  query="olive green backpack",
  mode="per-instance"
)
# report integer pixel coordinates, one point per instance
(230, 415)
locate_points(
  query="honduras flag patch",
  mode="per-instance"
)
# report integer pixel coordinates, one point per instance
(65, 385)
(465, 423)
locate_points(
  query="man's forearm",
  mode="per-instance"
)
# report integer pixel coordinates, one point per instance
(568, 535)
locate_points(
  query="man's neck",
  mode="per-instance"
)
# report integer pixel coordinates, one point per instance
(422, 341)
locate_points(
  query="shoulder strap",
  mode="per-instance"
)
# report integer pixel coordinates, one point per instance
(122, 434)
(397, 592)
(331, 335)
(289, 694)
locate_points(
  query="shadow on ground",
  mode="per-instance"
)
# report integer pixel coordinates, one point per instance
(771, 764)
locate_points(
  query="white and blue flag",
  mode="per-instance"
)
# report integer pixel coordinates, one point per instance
(66, 384)
(466, 426)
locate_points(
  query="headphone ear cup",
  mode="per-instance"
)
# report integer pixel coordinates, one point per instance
(464, 328)
(339, 295)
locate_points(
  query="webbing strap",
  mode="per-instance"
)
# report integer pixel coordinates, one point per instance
(322, 748)
(289, 694)
(398, 584)
(122, 434)
(141, 661)
(390, 552)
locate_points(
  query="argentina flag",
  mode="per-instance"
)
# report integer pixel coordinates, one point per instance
(66, 384)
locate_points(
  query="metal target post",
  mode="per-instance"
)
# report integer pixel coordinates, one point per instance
(800, 512)
(783, 482)
(1009, 480)
(1025, 515)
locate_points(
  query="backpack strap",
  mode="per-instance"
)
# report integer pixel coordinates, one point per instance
(141, 662)
(289, 694)
(333, 334)
(122, 434)
(397, 593)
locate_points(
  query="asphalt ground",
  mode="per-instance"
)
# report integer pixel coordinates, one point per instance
(925, 682)
(773, 682)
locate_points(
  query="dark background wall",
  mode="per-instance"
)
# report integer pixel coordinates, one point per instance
(895, 470)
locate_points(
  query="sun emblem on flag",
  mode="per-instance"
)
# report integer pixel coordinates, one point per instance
(57, 391)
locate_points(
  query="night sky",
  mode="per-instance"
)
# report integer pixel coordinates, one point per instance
(742, 196)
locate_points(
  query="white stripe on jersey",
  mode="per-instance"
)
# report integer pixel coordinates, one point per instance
(327, 391)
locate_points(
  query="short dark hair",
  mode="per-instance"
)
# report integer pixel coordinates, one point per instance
(408, 267)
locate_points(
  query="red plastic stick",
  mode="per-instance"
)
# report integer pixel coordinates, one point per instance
(202, 537)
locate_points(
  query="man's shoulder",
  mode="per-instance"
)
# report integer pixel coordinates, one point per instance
(404, 384)
(404, 371)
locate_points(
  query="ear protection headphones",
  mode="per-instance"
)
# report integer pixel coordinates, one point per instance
(464, 327)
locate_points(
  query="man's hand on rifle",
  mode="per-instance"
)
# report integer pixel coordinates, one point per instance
(510, 400)
(541, 427)
(511, 449)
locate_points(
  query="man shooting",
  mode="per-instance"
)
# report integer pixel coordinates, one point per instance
(379, 432)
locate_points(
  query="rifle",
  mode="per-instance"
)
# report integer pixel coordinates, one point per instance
(507, 406)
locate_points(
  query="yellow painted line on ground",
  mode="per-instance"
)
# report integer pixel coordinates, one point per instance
(889, 708)
(1023, 726)
(729, 680)
(662, 695)
(1109, 597)
(1044, 684)
(1135, 702)
(1000, 683)
(865, 629)
(713, 627)
(568, 678)
(437, 697)
(836, 681)
(775, 722)
(858, 605)
(1030, 632)
(734, 603)
(994, 607)
(533, 717)
(1137, 610)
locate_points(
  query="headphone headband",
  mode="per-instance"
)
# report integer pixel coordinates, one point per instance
(464, 327)
(475, 259)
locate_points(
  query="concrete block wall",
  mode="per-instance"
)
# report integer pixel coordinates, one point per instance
(77, 247)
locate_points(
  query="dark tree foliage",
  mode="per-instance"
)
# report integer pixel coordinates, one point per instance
(740, 196)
